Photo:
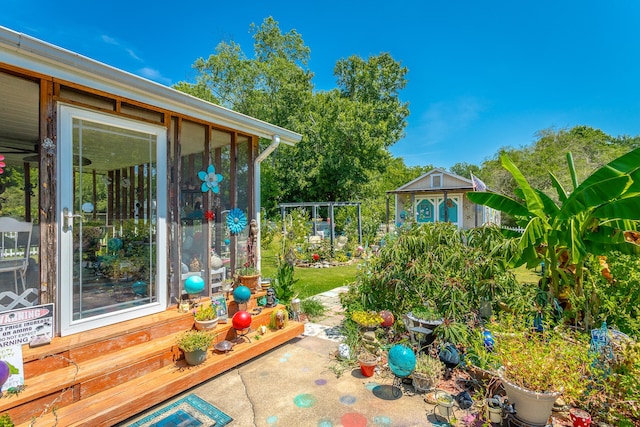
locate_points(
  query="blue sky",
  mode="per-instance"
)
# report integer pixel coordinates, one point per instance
(482, 74)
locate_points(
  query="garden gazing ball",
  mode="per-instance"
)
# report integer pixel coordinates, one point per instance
(241, 320)
(387, 318)
(241, 294)
(114, 244)
(401, 360)
(194, 285)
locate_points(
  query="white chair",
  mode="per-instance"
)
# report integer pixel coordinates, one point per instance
(15, 244)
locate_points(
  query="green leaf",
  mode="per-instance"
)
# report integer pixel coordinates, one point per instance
(534, 204)
(599, 193)
(550, 206)
(572, 170)
(498, 201)
(623, 165)
(562, 194)
(626, 208)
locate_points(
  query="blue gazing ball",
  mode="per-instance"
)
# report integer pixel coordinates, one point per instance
(194, 285)
(140, 288)
(241, 294)
(401, 360)
(114, 244)
(488, 340)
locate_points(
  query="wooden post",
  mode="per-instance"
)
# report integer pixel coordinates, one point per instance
(47, 194)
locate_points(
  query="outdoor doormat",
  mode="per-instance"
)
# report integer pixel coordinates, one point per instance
(190, 411)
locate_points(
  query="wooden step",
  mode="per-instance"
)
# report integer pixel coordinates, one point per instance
(70, 371)
(126, 399)
(85, 345)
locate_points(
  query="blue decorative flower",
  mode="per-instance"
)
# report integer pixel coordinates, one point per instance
(236, 221)
(210, 179)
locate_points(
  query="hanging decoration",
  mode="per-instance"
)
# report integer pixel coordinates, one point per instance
(236, 221)
(210, 180)
(209, 215)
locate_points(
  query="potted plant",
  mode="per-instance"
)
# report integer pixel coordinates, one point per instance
(195, 344)
(537, 367)
(249, 276)
(368, 362)
(206, 317)
(426, 316)
(427, 372)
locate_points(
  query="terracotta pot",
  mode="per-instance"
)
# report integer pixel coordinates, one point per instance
(367, 370)
(367, 366)
(250, 282)
(579, 418)
(531, 407)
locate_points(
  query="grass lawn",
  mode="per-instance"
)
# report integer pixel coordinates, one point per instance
(524, 275)
(310, 281)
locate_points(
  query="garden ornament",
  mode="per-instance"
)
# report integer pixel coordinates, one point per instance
(210, 180)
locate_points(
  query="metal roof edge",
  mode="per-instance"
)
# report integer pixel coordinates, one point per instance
(46, 58)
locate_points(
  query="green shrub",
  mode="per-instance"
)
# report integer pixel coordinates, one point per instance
(313, 307)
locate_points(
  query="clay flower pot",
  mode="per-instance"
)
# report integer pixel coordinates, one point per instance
(368, 363)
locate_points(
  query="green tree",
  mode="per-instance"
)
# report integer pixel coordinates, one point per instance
(465, 169)
(346, 131)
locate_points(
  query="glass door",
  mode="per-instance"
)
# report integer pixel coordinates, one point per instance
(112, 203)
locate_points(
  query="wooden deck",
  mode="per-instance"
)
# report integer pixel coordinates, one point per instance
(105, 376)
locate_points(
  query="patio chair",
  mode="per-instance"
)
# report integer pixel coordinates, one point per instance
(15, 244)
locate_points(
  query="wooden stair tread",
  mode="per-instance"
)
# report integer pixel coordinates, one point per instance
(61, 378)
(82, 339)
(118, 403)
(68, 376)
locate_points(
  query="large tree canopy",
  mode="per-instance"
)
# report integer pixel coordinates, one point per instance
(346, 131)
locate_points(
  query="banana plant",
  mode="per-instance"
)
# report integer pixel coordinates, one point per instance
(597, 215)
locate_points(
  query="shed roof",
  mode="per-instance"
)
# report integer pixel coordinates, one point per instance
(423, 183)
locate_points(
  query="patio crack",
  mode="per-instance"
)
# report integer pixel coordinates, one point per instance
(246, 393)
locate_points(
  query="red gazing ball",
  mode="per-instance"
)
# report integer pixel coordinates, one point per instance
(387, 318)
(241, 320)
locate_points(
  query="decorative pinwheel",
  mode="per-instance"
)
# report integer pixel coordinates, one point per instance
(236, 221)
(210, 180)
(2, 163)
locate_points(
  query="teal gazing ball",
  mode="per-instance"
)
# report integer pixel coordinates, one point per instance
(194, 285)
(402, 360)
(140, 288)
(114, 244)
(241, 294)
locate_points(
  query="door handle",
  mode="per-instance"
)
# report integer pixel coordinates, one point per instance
(67, 218)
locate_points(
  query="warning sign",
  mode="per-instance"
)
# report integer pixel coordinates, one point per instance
(19, 326)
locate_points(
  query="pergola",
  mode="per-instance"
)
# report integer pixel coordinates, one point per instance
(314, 214)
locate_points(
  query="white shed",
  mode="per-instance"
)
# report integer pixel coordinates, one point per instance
(441, 196)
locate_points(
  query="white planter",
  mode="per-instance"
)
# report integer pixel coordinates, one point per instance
(531, 407)
(494, 411)
(444, 405)
(205, 325)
